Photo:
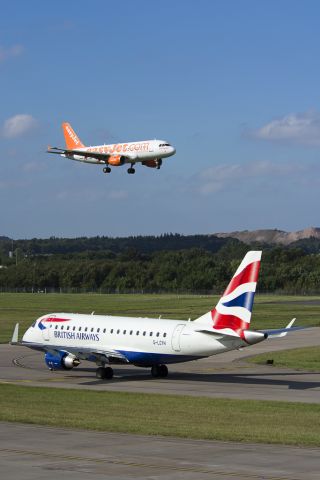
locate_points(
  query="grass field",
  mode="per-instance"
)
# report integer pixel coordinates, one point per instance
(307, 359)
(269, 311)
(148, 414)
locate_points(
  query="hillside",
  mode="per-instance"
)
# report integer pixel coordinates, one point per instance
(272, 237)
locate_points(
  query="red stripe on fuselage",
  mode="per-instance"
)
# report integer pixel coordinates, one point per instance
(55, 319)
(249, 274)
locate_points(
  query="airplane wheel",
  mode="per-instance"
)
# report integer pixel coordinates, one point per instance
(163, 370)
(106, 170)
(159, 371)
(155, 370)
(104, 373)
(131, 171)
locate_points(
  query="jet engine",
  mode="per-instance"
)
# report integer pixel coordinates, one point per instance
(153, 163)
(61, 360)
(116, 160)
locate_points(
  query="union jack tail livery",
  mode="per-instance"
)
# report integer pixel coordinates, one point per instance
(233, 311)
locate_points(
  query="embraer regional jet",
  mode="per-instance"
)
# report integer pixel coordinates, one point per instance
(148, 152)
(68, 338)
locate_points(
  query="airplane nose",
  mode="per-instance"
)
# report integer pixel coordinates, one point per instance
(173, 150)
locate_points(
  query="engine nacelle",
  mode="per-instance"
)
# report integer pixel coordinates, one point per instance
(153, 163)
(61, 361)
(116, 160)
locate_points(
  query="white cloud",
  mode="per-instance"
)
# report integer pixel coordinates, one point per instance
(9, 52)
(225, 176)
(18, 125)
(294, 128)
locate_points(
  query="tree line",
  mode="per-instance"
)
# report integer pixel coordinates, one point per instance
(194, 269)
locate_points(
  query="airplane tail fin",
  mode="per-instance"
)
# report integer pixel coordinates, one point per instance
(234, 308)
(72, 140)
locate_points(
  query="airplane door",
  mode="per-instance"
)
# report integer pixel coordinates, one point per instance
(46, 334)
(175, 340)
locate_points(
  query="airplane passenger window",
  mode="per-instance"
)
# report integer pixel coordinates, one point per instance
(86, 329)
(131, 332)
(164, 334)
(68, 327)
(104, 330)
(124, 332)
(158, 334)
(79, 329)
(98, 330)
(118, 331)
(144, 334)
(137, 332)
(91, 329)
(74, 328)
(50, 325)
(61, 327)
(151, 333)
(56, 327)
(111, 331)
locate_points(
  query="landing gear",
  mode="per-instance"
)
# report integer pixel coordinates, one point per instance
(106, 170)
(131, 170)
(159, 371)
(104, 373)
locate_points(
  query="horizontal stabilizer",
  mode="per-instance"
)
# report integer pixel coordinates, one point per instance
(218, 333)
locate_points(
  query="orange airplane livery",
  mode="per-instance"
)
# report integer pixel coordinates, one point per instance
(148, 152)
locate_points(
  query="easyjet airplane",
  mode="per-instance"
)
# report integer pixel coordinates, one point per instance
(148, 152)
(68, 338)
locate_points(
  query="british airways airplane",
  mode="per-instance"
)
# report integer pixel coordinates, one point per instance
(148, 152)
(68, 338)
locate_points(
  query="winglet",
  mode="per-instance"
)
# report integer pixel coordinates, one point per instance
(288, 327)
(14, 339)
(282, 332)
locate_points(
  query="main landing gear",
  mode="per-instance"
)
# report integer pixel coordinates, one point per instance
(104, 373)
(106, 170)
(131, 170)
(159, 371)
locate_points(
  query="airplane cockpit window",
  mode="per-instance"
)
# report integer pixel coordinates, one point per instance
(34, 324)
(164, 145)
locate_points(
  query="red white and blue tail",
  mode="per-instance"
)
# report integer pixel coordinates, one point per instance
(234, 309)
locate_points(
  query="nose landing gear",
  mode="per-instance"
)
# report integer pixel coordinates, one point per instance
(106, 170)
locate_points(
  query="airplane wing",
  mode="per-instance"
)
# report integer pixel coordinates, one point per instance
(87, 353)
(104, 157)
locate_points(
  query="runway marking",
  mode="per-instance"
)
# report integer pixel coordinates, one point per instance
(128, 463)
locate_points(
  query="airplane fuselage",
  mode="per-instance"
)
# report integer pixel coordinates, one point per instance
(131, 152)
(140, 341)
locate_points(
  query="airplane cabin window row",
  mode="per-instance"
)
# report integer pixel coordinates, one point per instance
(118, 331)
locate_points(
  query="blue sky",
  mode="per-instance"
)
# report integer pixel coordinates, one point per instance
(234, 85)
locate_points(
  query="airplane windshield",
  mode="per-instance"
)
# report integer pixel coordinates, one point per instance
(164, 145)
